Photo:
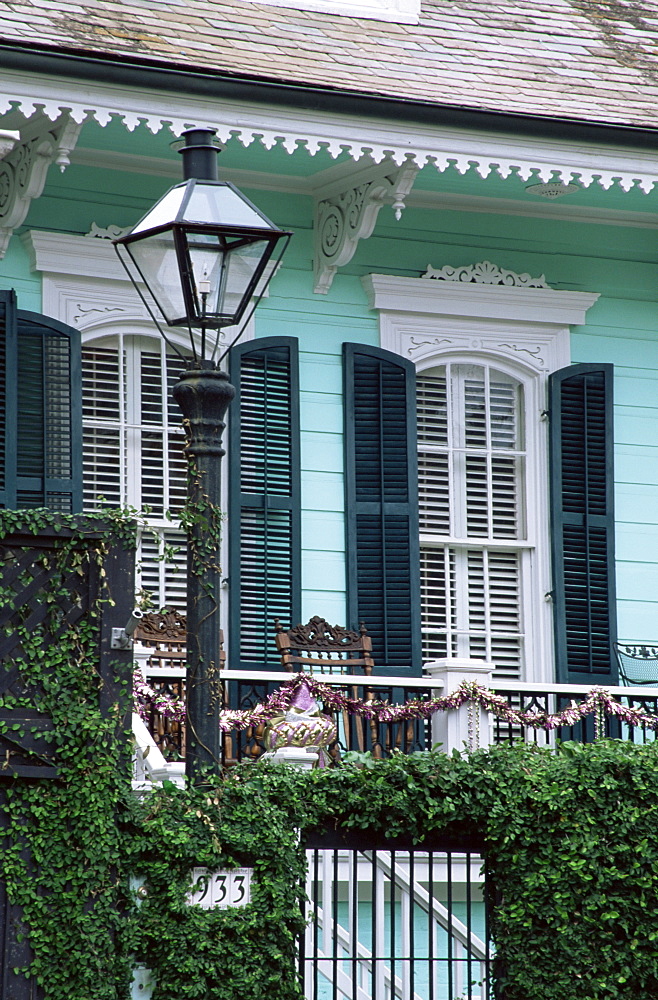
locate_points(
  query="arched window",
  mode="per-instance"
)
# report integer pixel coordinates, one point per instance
(132, 451)
(475, 550)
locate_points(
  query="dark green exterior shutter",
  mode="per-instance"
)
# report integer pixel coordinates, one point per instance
(40, 411)
(582, 484)
(264, 505)
(381, 478)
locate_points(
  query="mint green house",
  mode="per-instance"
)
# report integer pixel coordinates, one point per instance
(485, 219)
(446, 424)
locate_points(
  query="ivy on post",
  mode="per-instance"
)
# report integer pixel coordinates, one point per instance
(203, 395)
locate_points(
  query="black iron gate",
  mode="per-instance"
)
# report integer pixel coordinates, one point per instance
(388, 920)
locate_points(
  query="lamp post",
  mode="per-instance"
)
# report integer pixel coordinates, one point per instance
(197, 259)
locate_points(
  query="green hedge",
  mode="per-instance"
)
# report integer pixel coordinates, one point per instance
(571, 843)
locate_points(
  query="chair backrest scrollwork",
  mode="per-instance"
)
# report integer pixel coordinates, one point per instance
(330, 649)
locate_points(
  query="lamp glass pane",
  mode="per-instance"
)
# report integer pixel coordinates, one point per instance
(230, 274)
(243, 266)
(155, 257)
(218, 205)
(208, 263)
(163, 212)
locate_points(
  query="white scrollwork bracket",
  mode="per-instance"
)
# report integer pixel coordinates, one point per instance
(24, 169)
(345, 216)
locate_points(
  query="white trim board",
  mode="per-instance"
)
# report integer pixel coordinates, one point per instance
(85, 285)
(543, 306)
(270, 125)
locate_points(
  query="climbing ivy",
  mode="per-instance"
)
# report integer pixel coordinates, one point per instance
(61, 861)
(569, 835)
(570, 840)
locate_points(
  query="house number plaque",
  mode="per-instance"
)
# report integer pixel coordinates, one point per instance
(221, 889)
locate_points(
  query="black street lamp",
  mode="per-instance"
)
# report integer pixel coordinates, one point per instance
(198, 259)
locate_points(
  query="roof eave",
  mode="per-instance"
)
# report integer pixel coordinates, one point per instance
(154, 75)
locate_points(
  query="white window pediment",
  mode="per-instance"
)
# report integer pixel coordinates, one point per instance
(530, 325)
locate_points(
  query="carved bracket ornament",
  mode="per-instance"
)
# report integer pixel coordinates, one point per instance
(24, 168)
(319, 634)
(485, 273)
(348, 214)
(106, 233)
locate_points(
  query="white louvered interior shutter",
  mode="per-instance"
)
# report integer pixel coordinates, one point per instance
(473, 520)
(133, 452)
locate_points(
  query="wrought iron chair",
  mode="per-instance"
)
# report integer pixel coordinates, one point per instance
(327, 649)
(638, 663)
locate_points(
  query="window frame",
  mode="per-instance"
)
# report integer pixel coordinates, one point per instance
(524, 332)
(534, 545)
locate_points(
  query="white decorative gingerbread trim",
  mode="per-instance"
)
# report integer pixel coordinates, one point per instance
(485, 273)
(8, 139)
(445, 148)
(345, 215)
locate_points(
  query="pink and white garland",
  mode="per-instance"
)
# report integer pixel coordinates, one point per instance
(598, 703)
(147, 700)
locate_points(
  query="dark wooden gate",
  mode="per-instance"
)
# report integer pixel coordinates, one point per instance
(49, 598)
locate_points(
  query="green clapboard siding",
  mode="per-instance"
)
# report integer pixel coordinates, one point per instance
(616, 260)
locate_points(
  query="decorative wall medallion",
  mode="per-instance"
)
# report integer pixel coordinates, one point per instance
(23, 170)
(485, 273)
(347, 215)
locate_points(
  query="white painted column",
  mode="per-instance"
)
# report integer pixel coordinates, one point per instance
(452, 728)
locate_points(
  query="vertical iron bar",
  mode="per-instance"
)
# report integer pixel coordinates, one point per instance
(374, 923)
(469, 927)
(412, 916)
(392, 925)
(355, 923)
(487, 935)
(334, 911)
(450, 915)
(430, 924)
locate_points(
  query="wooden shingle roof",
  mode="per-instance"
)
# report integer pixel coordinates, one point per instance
(593, 60)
